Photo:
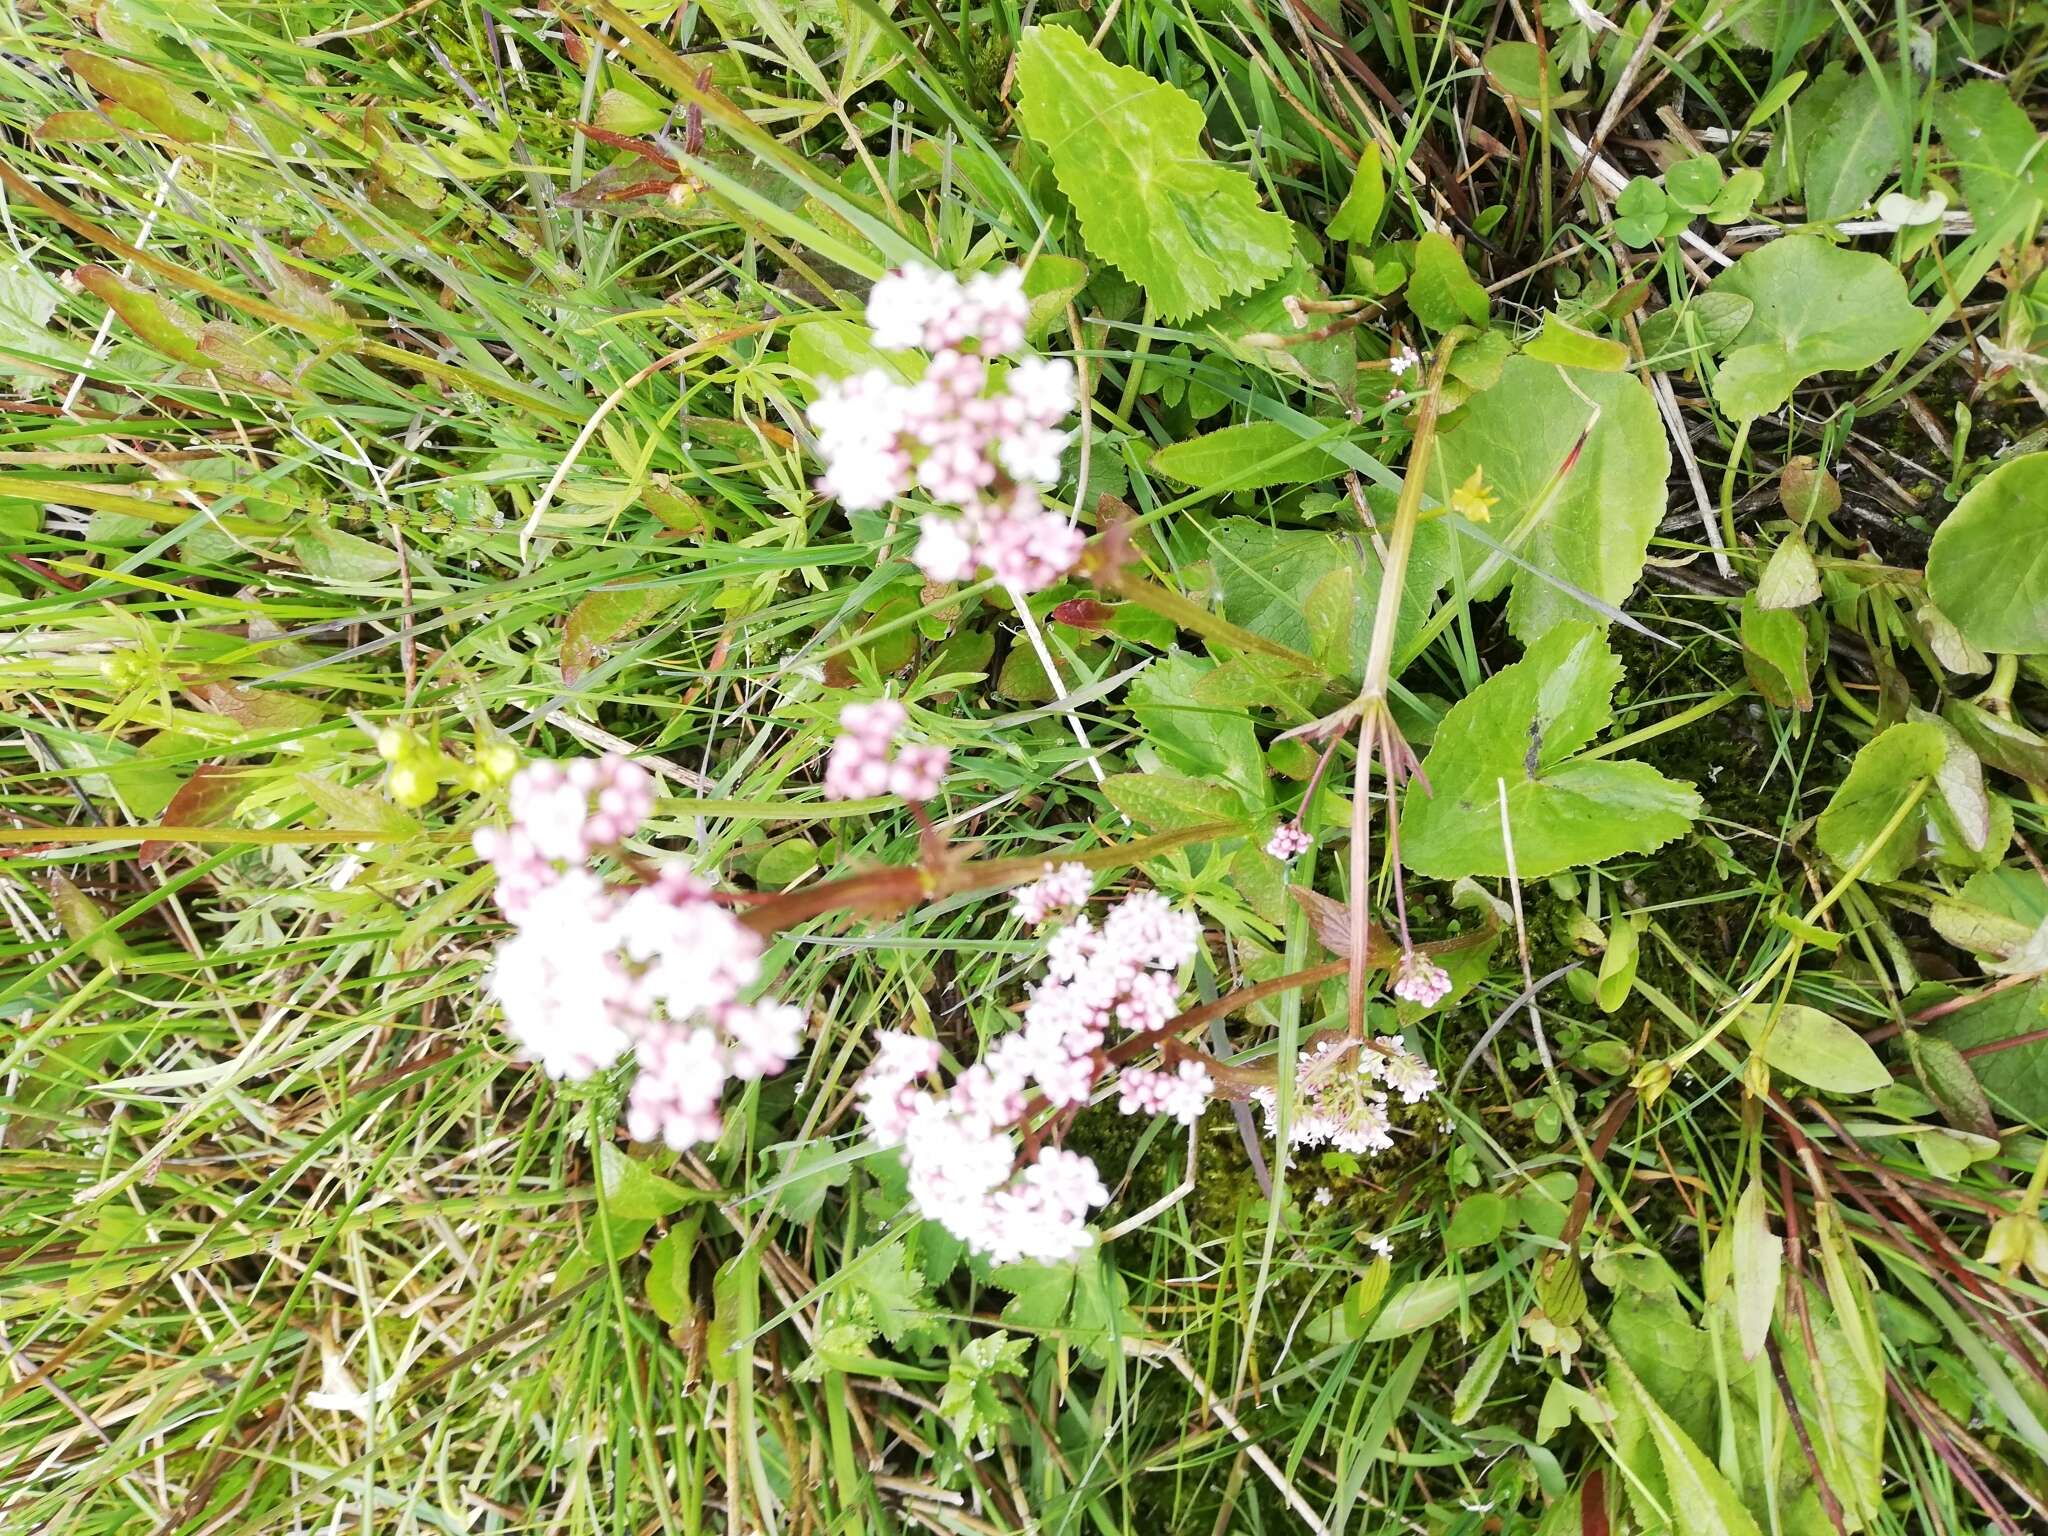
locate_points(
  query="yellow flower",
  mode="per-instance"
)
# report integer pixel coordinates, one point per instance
(1473, 500)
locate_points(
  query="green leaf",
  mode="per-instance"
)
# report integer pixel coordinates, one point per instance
(2004, 744)
(1815, 1047)
(1988, 567)
(1250, 456)
(735, 1314)
(1525, 725)
(1694, 184)
(1590, 528)
(1946, 1075)
(1569, 347)
(1316, 592)
(832, 348)
(809, 1170)
(668, 1272)
(1051, 283)
(1480, 1375)
(1441, 292)
(1357, 218)
(1617, 976)
(2015, 1077)
(170, 109)
(1164, 802)
(606, 615)
(333, 554)
(1818, 309)
(1758, 1265)
(1701, 1502)
(1477, 1221)
(1420, 1303)
(973, 1402)
(1790, 578)
(1854, 147)
(1520, 70)
(1194, 739)
(887, 1291)
(635, 1191)
(1993, 143)
(1237, 322)
(1775, 654)
(1127, 152)
(1884, 773)
(85, 921)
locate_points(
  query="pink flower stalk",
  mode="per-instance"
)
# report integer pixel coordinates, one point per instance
(1420, 980)
(1288, 842)
(961, 1146)
(1340, 1093)
(592, 971)
(1066, 885)
(983, 446)
(867, 760)
(1182, 1093)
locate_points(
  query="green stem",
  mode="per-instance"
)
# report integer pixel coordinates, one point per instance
(1998, 697)
(1728, 484)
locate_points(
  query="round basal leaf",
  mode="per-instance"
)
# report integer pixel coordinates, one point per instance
(1886, 771)
(1988, 569)
(1694, 184)
(1518, 69)
(1818, 309)
(1818, 1049)
(1586, 531)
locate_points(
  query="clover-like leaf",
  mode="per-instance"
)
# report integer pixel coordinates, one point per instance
(1578, 460)
(1988, 567)
(1527, 727)
(1127, 152)
(1818, 309)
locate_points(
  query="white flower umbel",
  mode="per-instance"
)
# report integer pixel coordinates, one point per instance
(593, 970)
(964, 1148)
(984, 445)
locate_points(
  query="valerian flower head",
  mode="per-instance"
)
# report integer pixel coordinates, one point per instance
(593, 971)
(867, 759)
(1288, 842)
(1420, 980)
(963, 1148)
(985, 446)
(1340, 1093)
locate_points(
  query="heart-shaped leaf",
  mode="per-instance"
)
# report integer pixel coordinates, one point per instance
(1578, 461)
(1988, 567)
(1818, 309)
(1525, 727)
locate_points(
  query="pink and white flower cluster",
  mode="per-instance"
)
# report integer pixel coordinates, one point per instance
(965, 434)
(1182, 1093)
(868, 760)
(594, 970)
(961, 1147)
(1340, 1093)
(1420, 980)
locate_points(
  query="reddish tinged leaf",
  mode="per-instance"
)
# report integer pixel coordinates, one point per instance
(204, 800)
(1331, 920)
(1593, 1506)
(146, 315)
(259, 709)
(171, 109)
(604, 616)
(1082, 613)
